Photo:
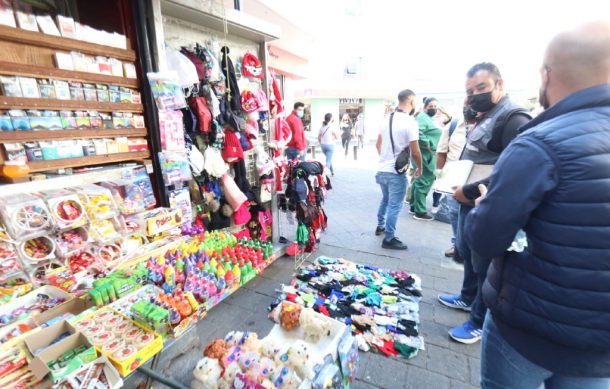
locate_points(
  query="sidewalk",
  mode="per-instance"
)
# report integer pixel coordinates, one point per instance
(351, 209)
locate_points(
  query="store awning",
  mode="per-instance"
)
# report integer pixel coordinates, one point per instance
(286, 63)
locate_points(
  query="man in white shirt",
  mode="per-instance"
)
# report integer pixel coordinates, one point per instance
(404, 132)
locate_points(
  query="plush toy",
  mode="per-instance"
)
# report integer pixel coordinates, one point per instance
(206, 374)
(284, 378)
(297, 358)
(234, 338)
(211, 202)
(247, 360)
(216, 349)
(226, 382)
(251, 342)
(261, 370)
(290, 315)
(269, 348)
(314, 327)
(232, 356)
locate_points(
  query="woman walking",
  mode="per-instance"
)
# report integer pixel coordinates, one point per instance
(347, 132)
(327, 137)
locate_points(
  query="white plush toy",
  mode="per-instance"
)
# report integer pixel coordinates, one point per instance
(269, 348)
(206, 374)
(226, 382)
(314, 327)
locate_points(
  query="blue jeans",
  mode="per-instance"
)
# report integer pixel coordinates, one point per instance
(328, 151)
(454, 211)
(393, 190)
(292, 153)
(475, 271)
(502, 367)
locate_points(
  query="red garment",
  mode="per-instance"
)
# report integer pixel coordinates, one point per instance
(276, 104)
(282, 133)
(298, 132)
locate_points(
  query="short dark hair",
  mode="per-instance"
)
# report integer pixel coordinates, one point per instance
(327, 118)
(298, 105)
(490, 67)
(404, 95)
(428, 100)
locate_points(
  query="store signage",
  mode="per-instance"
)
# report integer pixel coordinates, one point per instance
(351, 101)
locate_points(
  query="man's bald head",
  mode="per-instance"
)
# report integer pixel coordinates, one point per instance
(577, 59)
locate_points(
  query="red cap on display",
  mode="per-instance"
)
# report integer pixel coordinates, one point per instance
(232, 150)
(234, 196)
(248, 102)
(251, 66)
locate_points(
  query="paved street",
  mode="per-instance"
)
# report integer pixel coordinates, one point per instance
(351, 209)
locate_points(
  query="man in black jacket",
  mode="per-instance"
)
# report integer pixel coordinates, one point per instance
(549, 303)
(497, 124)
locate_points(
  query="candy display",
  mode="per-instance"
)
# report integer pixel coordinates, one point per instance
(103, 231)
(98, 201)
(25, 216)
(67, 210)
(369, 299)
(71, 241)
(37, 249)
(30, 304)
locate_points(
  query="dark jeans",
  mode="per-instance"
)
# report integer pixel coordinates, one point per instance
(502, 367)
(292, 153)
(475, 271)
(345, 140)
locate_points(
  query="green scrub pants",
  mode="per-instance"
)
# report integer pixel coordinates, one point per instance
(422, 185)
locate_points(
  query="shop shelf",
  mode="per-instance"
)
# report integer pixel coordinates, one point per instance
(39, 39)
(35, 136)
(39, 166)
(59, 105)
(17, 69)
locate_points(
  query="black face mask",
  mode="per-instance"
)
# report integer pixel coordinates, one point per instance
(481, 102)
(412, 112)
(431, 112)
(470, 114)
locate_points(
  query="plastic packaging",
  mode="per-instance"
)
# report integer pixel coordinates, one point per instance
(98, 201)
(25, 216)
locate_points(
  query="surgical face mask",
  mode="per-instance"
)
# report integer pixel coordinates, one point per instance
(300, 114)
(481, 102)
(431, 112)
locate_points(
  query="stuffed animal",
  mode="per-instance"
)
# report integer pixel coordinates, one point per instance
(252, 343)
(314, 327)
(232, 356)
(211, 202)
(247, 360)
(297, 358)
(234, 338)
(269, 348)
(261, 370)
(226, 382)
(290, 315)
(206, 374)
(216, 349)
(284, 378)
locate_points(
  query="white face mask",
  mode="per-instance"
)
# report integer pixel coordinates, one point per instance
(300, 114)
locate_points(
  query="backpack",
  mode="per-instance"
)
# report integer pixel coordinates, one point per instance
(403, 158)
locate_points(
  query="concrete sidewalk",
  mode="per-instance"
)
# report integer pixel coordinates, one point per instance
(352, 208)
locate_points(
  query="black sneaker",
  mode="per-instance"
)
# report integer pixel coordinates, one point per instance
(422, 216)
(379, 231)
(393, 244)
(411, 211)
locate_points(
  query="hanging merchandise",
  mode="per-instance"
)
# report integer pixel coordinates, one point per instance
(214, 163)
(199, 107)
(276, 101)
(251, 66)
(232, 151)
(181, 199)
(174, 167)
(235, 197)
(261, 99)
(187, 73)
(228, 70)
(382, 307)
(166, 91)
(196, 159)
(171, 131)
(197, 62)
(249, 103)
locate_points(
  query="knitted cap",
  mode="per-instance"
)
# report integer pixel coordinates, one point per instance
(242, 215)
(251, 66)
(232, 150)
(234, 196)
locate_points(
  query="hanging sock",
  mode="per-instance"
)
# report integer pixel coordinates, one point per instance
(302, 234)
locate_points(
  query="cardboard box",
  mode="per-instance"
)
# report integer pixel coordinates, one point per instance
(112, 375)
(77, 307)
(44, 337)
(39, 367)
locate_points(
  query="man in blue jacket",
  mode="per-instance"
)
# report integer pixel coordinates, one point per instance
(549, 305)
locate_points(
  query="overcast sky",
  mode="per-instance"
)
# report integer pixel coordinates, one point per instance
(431, 44)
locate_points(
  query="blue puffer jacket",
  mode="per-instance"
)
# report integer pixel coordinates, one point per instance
(552, 301)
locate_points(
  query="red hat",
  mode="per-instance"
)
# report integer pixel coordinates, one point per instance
(235, 197)
(242, 215)
(251, 66)
(232, 151)
(248, 102)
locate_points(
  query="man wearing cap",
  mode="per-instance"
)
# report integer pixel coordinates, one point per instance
(399, 130)
(297, 147)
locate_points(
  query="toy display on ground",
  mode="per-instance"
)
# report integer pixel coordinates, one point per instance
(381, 307)
(283, 359)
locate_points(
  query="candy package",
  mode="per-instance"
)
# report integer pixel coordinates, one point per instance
(98, 201)
(166, 91)
(66, 209)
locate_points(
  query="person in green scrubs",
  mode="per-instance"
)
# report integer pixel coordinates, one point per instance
(429, 136)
